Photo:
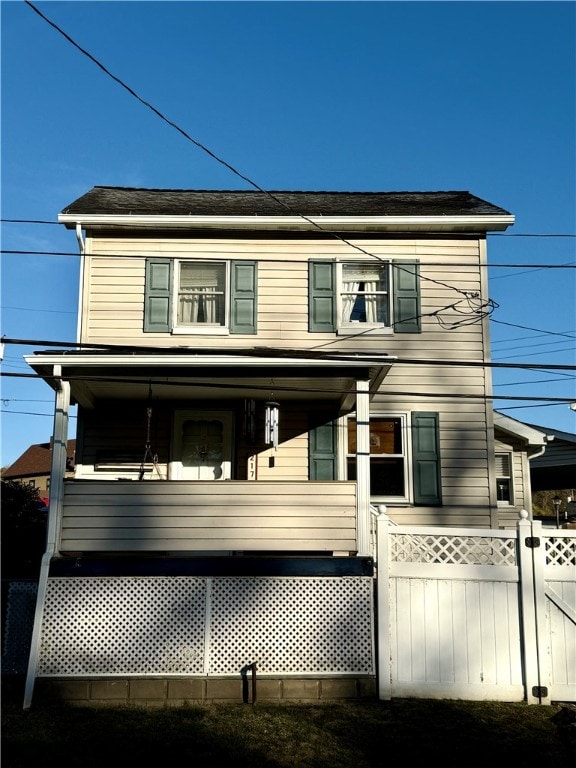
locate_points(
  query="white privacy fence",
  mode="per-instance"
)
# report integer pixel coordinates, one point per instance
(471, 614)
(477, 614)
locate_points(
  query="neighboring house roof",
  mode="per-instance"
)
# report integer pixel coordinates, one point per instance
(556, 467)
(532, 436)
(552, 453)
(36, 460)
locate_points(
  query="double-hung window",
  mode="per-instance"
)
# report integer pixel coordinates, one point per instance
(504, 489)
(190, 296)
(201, 295)
(364, 297)
(404, 457)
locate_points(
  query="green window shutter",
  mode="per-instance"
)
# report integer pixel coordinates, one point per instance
(406, 286)
(322, 452)
(157, 299)
(321, 297)
(243, 297)
(426, 458)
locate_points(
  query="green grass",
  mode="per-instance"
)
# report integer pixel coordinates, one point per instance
(351, 735)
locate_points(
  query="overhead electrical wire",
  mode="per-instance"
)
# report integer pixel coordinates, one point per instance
(279, 354)
(476, 311)
(422, 262)
(265, 388)
(485, 309)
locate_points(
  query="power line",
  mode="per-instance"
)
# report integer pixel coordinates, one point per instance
(279, 354)
(527, 338)
(27, 221)
(36, 309)
(528, 328)
(265, 388)
(519, 234)
(421, 262)
(218, 159)
(32, 413)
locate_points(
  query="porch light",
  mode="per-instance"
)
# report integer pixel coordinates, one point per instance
(271, 423)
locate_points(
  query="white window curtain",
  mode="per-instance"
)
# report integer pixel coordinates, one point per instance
(201, 285)
(360, 299)
(349, 295)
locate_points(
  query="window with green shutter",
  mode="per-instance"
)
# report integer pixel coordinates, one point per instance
(322, 452)
(404, 458)
(157, 300)
(193, 296)
(426, 458)
(373, 297)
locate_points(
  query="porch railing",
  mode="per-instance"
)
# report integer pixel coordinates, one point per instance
(215, 517)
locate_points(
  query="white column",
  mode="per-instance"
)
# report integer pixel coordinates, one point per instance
(363, 466)
(57, 472)
(58, 468)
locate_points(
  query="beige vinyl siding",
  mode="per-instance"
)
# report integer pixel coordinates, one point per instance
(114, 291)
(448, 266)
(207, 517)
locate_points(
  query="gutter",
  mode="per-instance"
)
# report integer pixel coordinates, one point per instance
(328, 224)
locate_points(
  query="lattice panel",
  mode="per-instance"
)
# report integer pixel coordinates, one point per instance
(291, 625)
(18, 626)
(100, 626)
(560, 550)
(191, 626)
(455, 550)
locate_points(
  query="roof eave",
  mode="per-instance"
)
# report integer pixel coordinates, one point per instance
(469, 223)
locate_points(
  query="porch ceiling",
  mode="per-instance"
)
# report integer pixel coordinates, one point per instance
(96, 377)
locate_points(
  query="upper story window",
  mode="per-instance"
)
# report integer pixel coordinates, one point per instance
(376, 297)
(364, 295)
(201, 294)
(190, 296)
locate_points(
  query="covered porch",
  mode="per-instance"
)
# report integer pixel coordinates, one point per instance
(237, 511)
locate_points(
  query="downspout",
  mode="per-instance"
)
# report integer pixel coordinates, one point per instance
(539, 452)
(82, 246)
(81, 242)
(57, 472)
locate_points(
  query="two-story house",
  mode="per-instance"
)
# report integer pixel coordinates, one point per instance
(257, 375)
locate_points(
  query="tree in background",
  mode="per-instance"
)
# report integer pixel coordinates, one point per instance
(543, 506)
(24, 520)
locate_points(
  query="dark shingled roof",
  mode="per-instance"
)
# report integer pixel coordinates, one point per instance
(184, 202)
(36, 460)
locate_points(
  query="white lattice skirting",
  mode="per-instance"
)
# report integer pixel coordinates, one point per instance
(102, 626)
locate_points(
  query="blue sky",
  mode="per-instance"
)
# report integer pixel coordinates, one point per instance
(367, 96)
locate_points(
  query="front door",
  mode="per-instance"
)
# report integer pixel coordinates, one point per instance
(202, 445)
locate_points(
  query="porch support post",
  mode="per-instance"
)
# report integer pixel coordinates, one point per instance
(57, 471)
(363, 466)
(58, 468)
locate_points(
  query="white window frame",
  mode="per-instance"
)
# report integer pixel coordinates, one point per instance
(201, 328)
(406, 455)
(509, 478)
(349, 327)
